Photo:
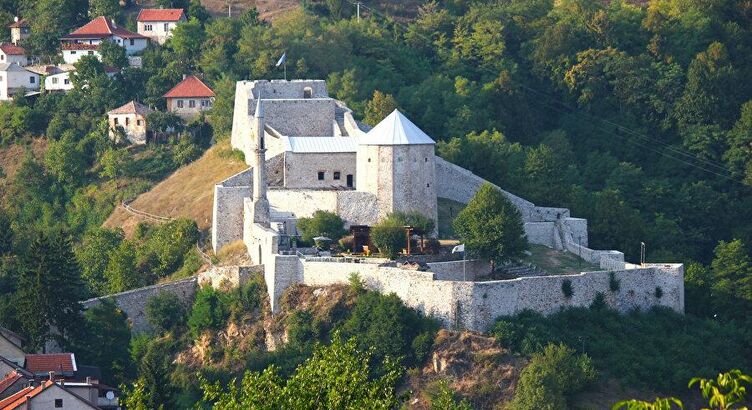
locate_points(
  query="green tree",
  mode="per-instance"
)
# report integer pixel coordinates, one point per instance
(50, 291)
(165, 312)
(65, 160)
(551, 377)
(94, 255)
(732, 280)
(88, 69)
(112, 54)
(444, 399)
(173, 4)
(122, 272)
(115, 163)
(107, 8)
(491, 227)
(6, 234)
(379, 107)
(321, 223)
(390, 237)
(186, 40)
(107, 325)
(208, 311)
(152, 389)
(337, 376)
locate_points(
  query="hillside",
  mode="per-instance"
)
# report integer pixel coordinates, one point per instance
(188, 192)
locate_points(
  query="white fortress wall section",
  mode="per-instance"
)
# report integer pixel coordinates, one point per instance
(241, 119)
(306, 118)
(302, 169)
(476, 305)
(227, 211)
(357, 208)
(302, 202)
(542, 233)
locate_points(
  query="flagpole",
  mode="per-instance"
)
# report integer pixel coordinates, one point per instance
(285, 69)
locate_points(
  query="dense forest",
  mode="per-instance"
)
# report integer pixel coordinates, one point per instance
(637, 117)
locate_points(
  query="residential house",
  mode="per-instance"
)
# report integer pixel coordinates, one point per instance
(11, 383)
(58, 78)
(20, 30)
(157, 24)
(15, 79)
(11, 53)
(60, 364)
(86, 40)
(189, 97)
(46, 395)
(131, 117)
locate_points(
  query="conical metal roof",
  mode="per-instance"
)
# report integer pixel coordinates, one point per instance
(396, 129)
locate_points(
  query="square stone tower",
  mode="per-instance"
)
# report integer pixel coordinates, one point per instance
(396, 163)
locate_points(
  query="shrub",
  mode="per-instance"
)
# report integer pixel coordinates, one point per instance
(599, 302)
(566, 288)
(322, 223)
(613, 284)
(423, 225)
(357, 286)
(347, 243)
(658, 292)
(301, 328)
(384, 323)
(551, 377)
(389, 238)
(165, 312)
(444, 399)
(208, 312)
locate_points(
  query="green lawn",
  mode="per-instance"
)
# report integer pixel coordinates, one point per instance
(557, 262)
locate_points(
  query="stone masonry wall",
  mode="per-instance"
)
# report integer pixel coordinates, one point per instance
(302, 202)
(133, 302)
(460, 270)
(541, 233)
(301, 169)
(306, 118)
(227, 211)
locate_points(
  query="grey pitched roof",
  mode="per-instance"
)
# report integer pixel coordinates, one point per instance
(396, 129)
(320, 144)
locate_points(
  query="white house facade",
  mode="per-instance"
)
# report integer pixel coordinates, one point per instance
(86, 40)
(11, 53)
(158, 24)
(14, 79)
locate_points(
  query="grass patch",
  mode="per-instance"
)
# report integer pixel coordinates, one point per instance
(557, 262)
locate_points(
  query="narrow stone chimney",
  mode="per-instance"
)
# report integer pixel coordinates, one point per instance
(88, 379)
(52, 375)
(15, 19)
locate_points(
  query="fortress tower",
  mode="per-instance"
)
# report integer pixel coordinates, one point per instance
(396, 163)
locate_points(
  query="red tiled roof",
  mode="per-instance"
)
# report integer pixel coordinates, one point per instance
(20, 398)
(160, 15)
(19, 23)
(133, 107)
(101, 27)
(79, 46)
(12, 49)
(190, 87)
(57, 362)
(9, 379)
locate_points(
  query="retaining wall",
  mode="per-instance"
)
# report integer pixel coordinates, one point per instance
(133, 302)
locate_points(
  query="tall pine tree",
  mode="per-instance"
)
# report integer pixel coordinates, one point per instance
(49, 292)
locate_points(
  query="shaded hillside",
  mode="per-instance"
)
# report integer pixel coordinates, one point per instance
(188, 192)
(12, 156)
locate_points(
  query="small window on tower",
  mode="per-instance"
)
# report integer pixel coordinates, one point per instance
(336, 175)
(321, 175)
(428, 185)
(58, 403)
(426, 159)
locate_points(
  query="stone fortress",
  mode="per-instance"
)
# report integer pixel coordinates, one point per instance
(306, 152)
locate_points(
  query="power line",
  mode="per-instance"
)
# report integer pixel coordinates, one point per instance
(712, 164)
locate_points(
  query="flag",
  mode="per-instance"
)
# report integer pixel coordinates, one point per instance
(459, 248)
(282, 59)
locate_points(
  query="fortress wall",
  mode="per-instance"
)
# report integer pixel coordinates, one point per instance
(227, 277)
(357, 208)
(227, 210)
(476, 305)
(351, 126)
(302, 202)
(286, 89)
(301, 169)
(306, 118)
(133, 302)
(460, 270)
(241, 120)
(458, 184)
(541, 233)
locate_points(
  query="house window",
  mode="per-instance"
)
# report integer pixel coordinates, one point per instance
(166, 27)
(66, 81)
(204, 103)
(32, 80)
(133, 42)
(191, 103)
(91, 53)
(127, 121)
(336, 175)
(147, 27)
(180, 103)
(321, 175)
(2, 57)
(117, 121)
(58, 403)
(138, 122)
(73, 52)
(54, 80)
(1, 78)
